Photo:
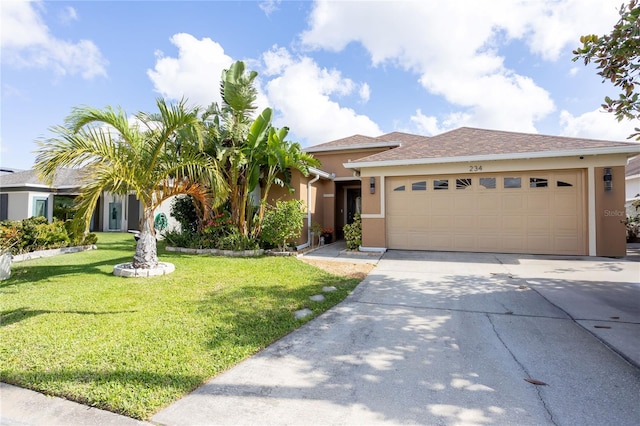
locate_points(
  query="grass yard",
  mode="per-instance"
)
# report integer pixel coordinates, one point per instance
(68, 327)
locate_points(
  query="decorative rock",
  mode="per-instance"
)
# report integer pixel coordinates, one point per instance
(126, 270)
(317, 298)
(329, 289)
(302, 313)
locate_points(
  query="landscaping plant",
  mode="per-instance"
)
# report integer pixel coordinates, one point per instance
(353, 233)
(282, 223)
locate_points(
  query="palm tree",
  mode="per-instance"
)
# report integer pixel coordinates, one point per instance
(253, 152)
(279, 158)
(155, 156)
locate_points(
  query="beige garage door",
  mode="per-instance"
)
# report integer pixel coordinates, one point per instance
(533, 212)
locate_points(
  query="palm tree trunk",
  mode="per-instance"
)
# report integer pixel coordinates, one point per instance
(146, 250)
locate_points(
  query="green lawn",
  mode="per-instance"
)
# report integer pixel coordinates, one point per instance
(133, 345)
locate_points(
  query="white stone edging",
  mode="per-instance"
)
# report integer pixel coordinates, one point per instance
(216, 252)
(128, 271)
(51, 252)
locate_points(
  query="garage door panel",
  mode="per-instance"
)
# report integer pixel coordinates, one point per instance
(418, 223)
(513, 203)
(512, 223)
(513, 243)
(566, 245)
(538, 202)
(488, 202)
(538, 243)
(545, 214)
(465, 223)
(486, 224)
(487, 242)
(538, 224)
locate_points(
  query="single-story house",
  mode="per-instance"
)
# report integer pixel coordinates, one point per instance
(464, 190)
(473, 190)
(23, 195)
(632, 179)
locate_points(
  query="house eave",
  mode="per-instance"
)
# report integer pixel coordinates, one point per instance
(321, 173)
(353, 147)
(494, 157)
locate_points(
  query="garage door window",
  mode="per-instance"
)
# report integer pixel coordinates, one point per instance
(561, 183)
(512, 182)
(400, 188)
(488, 182)
(463, 183)
(419, 186)
(441, 184)
(538, 182)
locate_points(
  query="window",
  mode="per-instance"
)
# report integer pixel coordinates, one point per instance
(488, 183)
(419, 186)
(441, 184)
(400, 188)
(561, 183)
(512, 182)
(538, 182)
(463, 183)
(40, 206)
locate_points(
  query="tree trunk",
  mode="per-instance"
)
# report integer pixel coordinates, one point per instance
(146, 250)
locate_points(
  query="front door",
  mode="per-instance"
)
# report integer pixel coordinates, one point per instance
(354, 203)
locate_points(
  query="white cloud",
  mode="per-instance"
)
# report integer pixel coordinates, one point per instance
(426, 124)
(68, 15)
(303, 95)
(454, 48)
(26, 42)
(194, 74)
(365, 92)
(269, 6)
(596, 124)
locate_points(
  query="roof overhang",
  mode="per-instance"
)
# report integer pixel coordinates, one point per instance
(321, 173)
(353, 147)
(629, 150)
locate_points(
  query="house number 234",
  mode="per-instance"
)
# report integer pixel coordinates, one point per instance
(475, 168)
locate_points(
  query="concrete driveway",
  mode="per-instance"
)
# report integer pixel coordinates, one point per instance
(449, 338)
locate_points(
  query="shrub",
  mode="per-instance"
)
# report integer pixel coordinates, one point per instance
(282, 224)
(236, 241)
(353, 233)
(632, 224)
(184, 211)
(36, 233)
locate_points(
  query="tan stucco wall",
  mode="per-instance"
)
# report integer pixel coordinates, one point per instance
(332, 162)
(373, 233)
(371, 202)
(610, 213)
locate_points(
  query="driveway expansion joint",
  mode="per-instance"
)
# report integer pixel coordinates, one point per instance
(523, 368)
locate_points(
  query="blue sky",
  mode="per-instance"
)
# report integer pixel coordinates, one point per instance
(329, 69)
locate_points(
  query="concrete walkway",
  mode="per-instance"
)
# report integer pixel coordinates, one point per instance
(429, 338)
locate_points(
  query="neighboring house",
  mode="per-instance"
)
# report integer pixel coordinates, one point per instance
(474, 190)
(632, 178)
(23, 195)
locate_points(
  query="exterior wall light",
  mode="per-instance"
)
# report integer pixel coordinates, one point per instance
(372, 185)
(608, 179)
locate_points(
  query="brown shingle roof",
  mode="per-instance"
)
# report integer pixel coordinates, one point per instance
(389, 140)
(402, 137)
(470, 142)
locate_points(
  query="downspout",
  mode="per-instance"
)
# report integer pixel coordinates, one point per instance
(308, 243)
